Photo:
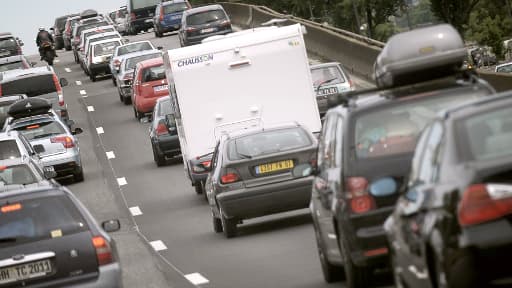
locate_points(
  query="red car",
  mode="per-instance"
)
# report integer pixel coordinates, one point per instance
(149, 84)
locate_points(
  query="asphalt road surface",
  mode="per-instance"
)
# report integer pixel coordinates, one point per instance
(167, 230)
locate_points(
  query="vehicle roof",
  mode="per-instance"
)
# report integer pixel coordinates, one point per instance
(6, 35)
(106, 41)
(151, 62)
(140, 53)
(167, 3)
(10, 59)
(137, 42)
(162, 99)
(9, 135)
(97, 28)
(504, 64)
(498, 100)
(29, 72)
(202, 9)
(323, 65)
(99, 35)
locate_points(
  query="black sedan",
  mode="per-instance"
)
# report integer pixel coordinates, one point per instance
(49, 239)
(251, 174)
(452, 227)
(163, 132)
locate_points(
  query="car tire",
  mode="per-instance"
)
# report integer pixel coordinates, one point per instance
(356, 277)
(199, 187)
(114, 81)
(217, 224)
(332, 273)
(68, 48)
(137, 114)
(76, 58)
(228, 226)
(79, 177)
(93, 77)
(461, 262)
(127, 100)
(159, 158)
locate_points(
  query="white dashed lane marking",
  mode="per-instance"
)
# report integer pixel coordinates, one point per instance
(78, 83)
(90, 108)
(100, 130)
(197, 279)
(158, 245)
(111, 155)
(82, 92)
(67, 70)
(121, 181)
(135, 210)
(56, 60)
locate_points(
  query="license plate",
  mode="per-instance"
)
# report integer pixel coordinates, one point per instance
(25, 271)
(327, 91)
(160, 88)
(207, 30)
(274, 167)
(5, 53)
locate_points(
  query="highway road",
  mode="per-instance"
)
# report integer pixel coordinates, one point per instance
(167, 230)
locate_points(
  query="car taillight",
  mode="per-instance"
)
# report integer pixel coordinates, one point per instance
(357, 192)
(58, 88)
(66, 141)
(191, 29)
(161, 129)
(133, 16)
(230, 176)
(161, 13)
(485, 202)
(0, 90)
(19, 50)
(225, 23)
(351, 84)
(117, 63)
(103, 250)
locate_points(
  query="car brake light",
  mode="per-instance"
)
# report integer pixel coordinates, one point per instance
(485, 202)
(191, 29)
(65, 140)
(117, 63)
(225, 23)
(103, 251)
(229, 177)
(360, 200)
(161, 129)
(133, 16)
(59, 90)
(161, 13)
(11, 208)
(207, 163)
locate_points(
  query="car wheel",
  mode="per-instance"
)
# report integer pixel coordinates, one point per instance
(114, 81)
(217, 224)
(93, 77)
(159, 158)
(68, 48)
(79, 177)
(228, 225)
(461, 262)
(127, 100)
(76, 58)
(331, 272)
(356, 277)
(199, 188)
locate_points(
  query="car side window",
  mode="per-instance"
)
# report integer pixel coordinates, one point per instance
(338, 149)
(325, 149)
(215, 159)
(429, 161)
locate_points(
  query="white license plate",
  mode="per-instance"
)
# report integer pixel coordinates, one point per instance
(160, 88)
(208, 30)
(25, 271)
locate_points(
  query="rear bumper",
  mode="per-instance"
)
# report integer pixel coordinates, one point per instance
(268, 199)
(146, 105)
(142, 24)
(109, 276)
(99, 68)
(168, 145)
(169, 26)
(64, 164)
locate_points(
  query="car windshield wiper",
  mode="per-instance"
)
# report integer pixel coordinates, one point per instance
(325, 82)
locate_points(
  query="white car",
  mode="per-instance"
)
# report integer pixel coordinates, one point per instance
(99, 55)
(82, 55)
(504, 68)
(123, 51)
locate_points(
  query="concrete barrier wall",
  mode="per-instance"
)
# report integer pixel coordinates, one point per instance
(355, 52)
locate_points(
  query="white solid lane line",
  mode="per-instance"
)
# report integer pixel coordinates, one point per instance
(67, 70)
(90, 108)
(78, 83)
(135, 210)
(197, 279)
(111, 155)
(100, 130)
(158, 245)
(121, 181)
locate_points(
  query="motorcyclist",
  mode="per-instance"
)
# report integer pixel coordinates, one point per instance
(44, 36)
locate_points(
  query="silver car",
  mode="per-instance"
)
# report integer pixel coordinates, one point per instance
(329, 79)
(53, 141)
(15, 145)
(24, 172)
(123, 51)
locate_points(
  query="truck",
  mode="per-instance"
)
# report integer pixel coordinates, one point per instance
(239, 81)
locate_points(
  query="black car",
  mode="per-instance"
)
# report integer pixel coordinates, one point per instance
(202, 22)
(251, 174)
(366, 147)
(9, 45)
(141, 14)
(5, 102)
(163, 132)
(49, 239)
(452, 227)
(58, 30)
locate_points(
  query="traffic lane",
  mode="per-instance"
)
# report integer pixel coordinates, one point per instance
(141, 268)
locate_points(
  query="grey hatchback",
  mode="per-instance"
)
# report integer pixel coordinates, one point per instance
(251, 174)
(202, 22)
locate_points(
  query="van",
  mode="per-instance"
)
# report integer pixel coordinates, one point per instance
(140, 15)
(238, 82)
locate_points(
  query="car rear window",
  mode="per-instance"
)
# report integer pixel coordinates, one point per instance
(31, 86)
(504, 69)
(12, 66)
(485, 136)
(8, 43)
(327, 76)
(164, 108)
(394, 129)
(105, 48)
(9, 149)
(205, 17)
(153, 74)
(175, 7)
(89, 26)
(267, 142)
(17, 175)
(41, 130)
(131, 62)
(133, 48)
(38, 219)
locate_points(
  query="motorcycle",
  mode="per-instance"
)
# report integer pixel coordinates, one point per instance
(48, 52)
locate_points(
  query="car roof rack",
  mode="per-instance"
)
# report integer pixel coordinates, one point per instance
(29, 107)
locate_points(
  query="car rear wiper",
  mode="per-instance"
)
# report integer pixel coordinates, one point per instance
(325, 82)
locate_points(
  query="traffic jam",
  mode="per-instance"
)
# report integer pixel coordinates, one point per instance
(408, 179)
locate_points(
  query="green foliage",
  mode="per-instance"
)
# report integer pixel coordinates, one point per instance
(455, 12)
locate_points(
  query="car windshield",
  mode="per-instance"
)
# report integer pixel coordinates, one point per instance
(134, 47)
(105, 48)
(205, 17)
(42, 218)
(8, 43)
(9, 150)
(175, 7)
(17, 175)
(41, 130)
(394, 129)
(267, 142)
(504, 69)
(153, 73)
(11, 66)
(327, 76)
(485, 136)
(164, 108)
(31, 86)
(131, 62)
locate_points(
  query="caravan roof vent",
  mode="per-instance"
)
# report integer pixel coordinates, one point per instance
(420, 55)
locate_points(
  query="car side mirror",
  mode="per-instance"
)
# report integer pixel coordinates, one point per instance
(38, 148)
(63, 82)
(111, 225)
(160, 48)
(49, 172)
(303, 170)
(77, 131)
